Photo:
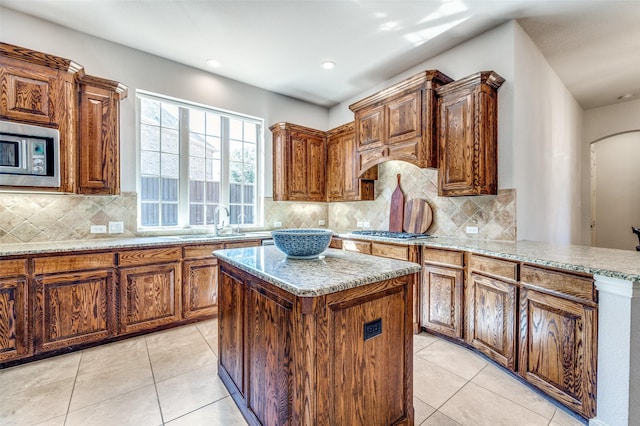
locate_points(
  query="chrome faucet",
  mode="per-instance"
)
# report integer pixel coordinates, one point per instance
(238, 222)
(216, 229)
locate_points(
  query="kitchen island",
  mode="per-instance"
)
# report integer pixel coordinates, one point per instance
(314, 342)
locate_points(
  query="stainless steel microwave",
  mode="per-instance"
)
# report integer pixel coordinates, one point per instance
(29, 155)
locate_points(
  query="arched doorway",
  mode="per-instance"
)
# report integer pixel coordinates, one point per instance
(615, 190)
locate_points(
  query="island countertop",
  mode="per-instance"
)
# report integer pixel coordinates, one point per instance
(335, 270)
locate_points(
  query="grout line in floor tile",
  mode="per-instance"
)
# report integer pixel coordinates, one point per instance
(73, 388)
(155, 384)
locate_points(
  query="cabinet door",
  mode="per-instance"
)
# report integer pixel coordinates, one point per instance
(336, 173)
(230, 329)
(13, 318)
(99, 141)
(370, 127)
(491, 309)
(455, 173)
(442, 300)
(200, 288)
(316, 165)
(298, 168)
(404, 118)
(558, 349)
(73, 308)
(149, 296)
(30, 92)
(269, 356)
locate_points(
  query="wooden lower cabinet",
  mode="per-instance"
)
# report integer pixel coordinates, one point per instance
(74, 308)
(558, 340)
(290, 360)
(441, 292)
(149, 296)
(14, 342)
(491, 308)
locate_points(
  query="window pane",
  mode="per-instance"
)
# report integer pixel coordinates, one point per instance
(150, 163)
(213, 147)
(235, 193)
(196, 214)
(235, 171)
(249, 194)
(249, 132)
(235, 129)
(149, 137)
(170, 165)
(235, 212)
(169, 214)
(196, 168)
(213, 124)
(170, 141)
(235, 151)
(196, 120)
(249, 174)
(211, 220)
(248, 214)
(196, 191)
(169, 116)
(169, 189)
(149, 112)
(149, 188)
(150, 214)
(213, 192)
(196, 145)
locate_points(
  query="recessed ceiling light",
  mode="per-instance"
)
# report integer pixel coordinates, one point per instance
(213, 63)
(328, 65)
(388, 26)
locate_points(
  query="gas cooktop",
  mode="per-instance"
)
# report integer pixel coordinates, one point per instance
(389, 234)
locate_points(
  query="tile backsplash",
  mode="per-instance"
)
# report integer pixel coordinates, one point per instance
(55, 217)
(30, 217)
(494, 215)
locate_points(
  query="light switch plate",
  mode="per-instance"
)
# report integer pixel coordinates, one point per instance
(116, 227)
(321, 222)
(277, 224)
(472, 230)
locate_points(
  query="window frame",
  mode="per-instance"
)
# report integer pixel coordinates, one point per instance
(183, 180)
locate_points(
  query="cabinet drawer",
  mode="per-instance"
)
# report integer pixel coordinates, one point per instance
(142, 257)
(390, 250)
(357, 246)
(203, 250)
(9, 268)
(68, 263)
(240, 244)
(335, 243)
(491, 266)
(446, 257)
(558, 282)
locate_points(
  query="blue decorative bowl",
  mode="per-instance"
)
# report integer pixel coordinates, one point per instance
(302, 243)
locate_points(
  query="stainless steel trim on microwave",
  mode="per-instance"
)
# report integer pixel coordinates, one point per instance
(28, 170)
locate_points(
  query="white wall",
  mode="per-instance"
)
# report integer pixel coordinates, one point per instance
(548, 167)
(139, 70)
(539, 130)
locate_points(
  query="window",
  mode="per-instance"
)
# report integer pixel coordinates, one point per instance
(198, 165)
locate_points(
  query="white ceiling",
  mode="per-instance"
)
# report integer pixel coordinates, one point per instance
(594, 46)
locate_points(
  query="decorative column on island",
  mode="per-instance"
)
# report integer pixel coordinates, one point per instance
(317, 342)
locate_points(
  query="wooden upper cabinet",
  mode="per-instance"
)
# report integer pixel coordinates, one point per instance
(468, 135)
(399, 123)
(99, 131)
(343, 183)
(299, 163)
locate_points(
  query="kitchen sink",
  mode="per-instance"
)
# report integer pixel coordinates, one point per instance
(207, 237)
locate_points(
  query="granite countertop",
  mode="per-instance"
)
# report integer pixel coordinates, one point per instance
(117, 243)
(621, 264)
(334, 271)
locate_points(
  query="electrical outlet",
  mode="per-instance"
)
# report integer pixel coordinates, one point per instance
(366, 225)
(321, 222)
(472, 230)
(359, 224)
(277, 224)
(116, 227)
(98, 229)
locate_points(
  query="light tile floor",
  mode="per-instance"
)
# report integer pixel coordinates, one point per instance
(170, 378)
